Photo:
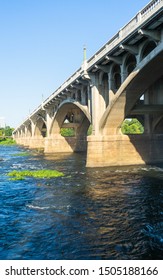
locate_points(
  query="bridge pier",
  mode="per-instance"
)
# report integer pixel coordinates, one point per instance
(37, 142)
(60, 144)
(119, 150)
(21, 141)
(122, 80)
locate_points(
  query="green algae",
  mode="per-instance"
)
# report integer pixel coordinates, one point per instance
(40, 174)
(23, 154)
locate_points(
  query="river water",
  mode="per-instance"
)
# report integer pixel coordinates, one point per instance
(90, 213)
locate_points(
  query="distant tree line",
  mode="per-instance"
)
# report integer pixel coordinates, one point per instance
(6, 131)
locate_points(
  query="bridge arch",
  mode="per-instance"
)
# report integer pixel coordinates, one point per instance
(72, 112)
(19, 132)
(116, 75)
(130, 63)
(146, 48)
(40, 128)
(22, 131)
(130, 91)
(29, 130)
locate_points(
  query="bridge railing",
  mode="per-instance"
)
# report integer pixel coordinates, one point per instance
(150, 7)
(68, 82)
(132, 25)
(108, 46)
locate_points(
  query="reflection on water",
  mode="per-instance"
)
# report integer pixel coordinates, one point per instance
(91, 213)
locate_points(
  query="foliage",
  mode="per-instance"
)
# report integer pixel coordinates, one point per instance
(20, 175)
(67, 132)
(7, 131)
(7, 141)
(70, 132)
(23, 154)
(132, 126)
(89, 132)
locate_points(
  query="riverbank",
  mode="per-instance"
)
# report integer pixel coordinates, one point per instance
(7, 141)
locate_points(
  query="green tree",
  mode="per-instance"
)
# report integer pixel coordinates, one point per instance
(1, 132)
(132, 126)
(8, 131)
(67, 132)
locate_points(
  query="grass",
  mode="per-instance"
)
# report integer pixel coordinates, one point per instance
(7, 141)
(41, 174)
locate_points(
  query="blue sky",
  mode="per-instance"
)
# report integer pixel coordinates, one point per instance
(41, 45)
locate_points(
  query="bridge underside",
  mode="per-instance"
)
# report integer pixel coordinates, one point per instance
(112, 148)
(123, 80)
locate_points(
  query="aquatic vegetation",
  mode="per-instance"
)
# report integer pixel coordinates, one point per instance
(40, 174)
(23, 154)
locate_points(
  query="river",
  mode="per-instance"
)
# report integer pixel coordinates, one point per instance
(90, 213)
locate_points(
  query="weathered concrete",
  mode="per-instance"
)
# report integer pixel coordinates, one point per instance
(36, 143)
(124, 150)
(60, 144)
(124, 79)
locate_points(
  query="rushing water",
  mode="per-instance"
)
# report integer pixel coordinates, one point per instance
(90, 213)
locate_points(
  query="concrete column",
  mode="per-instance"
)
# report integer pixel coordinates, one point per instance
(25, 131)
(33, 126)
(49, 117)
(110, 87)
(89, 100)
(97, 104)
(147, 123)
(124, 73)
(106, 91)
(83, 97)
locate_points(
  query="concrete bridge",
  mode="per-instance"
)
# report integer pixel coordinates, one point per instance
(124, 79)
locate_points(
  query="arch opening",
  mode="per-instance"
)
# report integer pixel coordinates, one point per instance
(149, 46)
(40, 128)
(116, 77)
(70, 126)
(105, 88)
(130, 63)
(29, 130)
(132, 126)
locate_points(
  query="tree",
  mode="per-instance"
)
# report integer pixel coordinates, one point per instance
(132, 126)
(67, 132)
(7, 131)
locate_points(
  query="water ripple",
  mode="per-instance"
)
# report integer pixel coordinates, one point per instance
(98, 213)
